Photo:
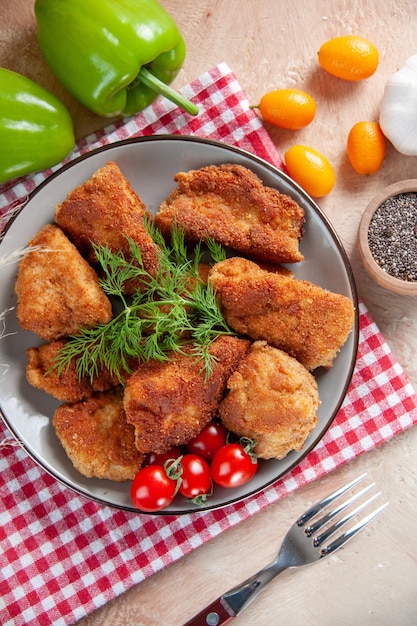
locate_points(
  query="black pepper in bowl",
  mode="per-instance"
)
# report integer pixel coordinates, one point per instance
(387, 238)
(392, 236)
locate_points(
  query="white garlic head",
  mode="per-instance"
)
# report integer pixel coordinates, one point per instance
(398, 108)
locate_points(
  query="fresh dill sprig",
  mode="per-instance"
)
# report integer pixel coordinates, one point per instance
(217, 252)
(176, 309)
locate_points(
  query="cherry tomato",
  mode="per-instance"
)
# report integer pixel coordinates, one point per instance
(233, 466)
(152, 458)
(195, 476)
(212, 437)
(152, 489)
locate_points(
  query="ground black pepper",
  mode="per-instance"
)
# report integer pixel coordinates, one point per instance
(392, 236)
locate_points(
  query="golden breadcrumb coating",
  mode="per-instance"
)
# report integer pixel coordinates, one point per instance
(42, 373)
(271, 399)
(105, 210)
(58, 292)
(308, 322)
(170, 402)
(97, 437)
(230, 204)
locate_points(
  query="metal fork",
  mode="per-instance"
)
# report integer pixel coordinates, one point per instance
(303, 544)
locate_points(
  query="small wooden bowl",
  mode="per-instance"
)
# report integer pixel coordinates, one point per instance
(396, 285)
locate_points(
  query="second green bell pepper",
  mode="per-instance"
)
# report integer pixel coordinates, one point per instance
(114, 56)
(36, 130)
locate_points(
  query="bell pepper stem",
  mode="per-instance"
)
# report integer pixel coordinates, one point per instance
(150, 80)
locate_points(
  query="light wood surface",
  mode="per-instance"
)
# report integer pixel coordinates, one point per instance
(272, 44)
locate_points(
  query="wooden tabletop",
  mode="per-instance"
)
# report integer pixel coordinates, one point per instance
(273, 44)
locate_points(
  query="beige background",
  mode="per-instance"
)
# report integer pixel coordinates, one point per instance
(273, 44)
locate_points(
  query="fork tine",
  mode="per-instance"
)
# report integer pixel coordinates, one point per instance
(341, 522)
(316, 508)
(312, 528)
(340, 541)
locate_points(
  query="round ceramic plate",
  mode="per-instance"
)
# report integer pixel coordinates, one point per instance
(150, 164)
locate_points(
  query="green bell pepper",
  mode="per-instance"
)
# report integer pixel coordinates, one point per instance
(114, 56)
(36, 130)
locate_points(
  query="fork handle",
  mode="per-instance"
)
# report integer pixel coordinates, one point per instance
(227, 606)
(214, 614)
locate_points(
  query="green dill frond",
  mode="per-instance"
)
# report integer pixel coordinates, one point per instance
(201, 353)
(84, 348)
(217, 252)
(175, 310)
(178, 247)
(207, 308)
(116, 270)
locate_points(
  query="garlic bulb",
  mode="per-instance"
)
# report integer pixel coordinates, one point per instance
(398, 108)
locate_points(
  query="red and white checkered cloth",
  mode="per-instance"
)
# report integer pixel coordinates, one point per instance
(62, 555)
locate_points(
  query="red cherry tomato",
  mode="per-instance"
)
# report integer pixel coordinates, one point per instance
(195, 476)
(212, 437)
(233, 466)
(152, 490)
(152, 458)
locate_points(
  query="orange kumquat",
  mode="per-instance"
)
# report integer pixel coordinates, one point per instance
(287, 108)
(366, 147)
(349, 57)
(310, 169)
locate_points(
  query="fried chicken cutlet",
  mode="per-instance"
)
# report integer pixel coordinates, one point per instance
(306, 321)
(97, 437)
(42, 373)
(105, 210)
(230, 204)
(169, 402)
(271, 399)
(58, 292)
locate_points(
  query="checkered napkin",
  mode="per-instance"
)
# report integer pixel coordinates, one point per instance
(62, 555)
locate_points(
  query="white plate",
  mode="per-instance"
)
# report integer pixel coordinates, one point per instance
(150, 163)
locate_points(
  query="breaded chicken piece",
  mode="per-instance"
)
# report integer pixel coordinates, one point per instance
(105, 210)
(308, 322)
(271, 399)
(169, 403)
(276, 269)
(230, 204)
(58, 292)
(42, 373)
(97, 437)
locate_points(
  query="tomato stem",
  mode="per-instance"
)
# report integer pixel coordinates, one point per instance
(248, 445)
(173, 469)
(201, 499)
